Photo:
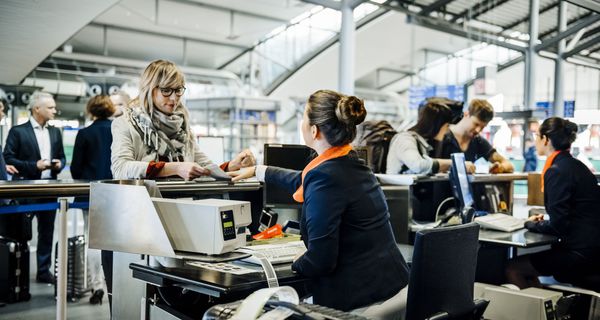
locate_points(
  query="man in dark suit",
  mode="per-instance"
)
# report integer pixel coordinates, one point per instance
(36, 150)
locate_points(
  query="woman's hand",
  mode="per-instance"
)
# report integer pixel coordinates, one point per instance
(470, 167)
(189, 170)
(536, 218)
(242, 160)
(243, 173)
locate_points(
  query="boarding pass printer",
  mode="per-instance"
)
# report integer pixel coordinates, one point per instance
(132, 217)
(208, 226)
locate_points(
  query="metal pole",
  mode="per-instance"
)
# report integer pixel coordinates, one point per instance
(559, 64)
(61, 280)
(346, 66)
(530, 57)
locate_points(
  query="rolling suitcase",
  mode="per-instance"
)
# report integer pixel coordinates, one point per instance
(76, 268)
(14, 271)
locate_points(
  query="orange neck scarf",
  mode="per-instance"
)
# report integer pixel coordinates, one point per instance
(548, 164)
(331, 153)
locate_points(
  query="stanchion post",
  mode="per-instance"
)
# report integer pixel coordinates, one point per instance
(61, 279)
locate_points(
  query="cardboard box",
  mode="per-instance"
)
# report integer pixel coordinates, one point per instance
(535, 196)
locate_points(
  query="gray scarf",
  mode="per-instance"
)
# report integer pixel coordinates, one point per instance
(165, 134)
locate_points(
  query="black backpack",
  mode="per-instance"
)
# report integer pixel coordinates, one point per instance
(376, 136)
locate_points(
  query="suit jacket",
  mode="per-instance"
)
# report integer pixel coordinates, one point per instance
(91, 153)
(2, 166)
(352, 258)
(572, 200)
(22, 150)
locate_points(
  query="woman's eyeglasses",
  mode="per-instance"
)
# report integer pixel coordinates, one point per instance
(167, 92)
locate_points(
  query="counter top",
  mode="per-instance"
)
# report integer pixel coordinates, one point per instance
(70, 188)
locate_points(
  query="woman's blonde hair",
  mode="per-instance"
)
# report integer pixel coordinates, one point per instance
(163, 74)
(159, 73)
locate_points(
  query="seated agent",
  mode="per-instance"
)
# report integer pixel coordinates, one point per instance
(410, 150)
(352, 259)
(572, 199)
(464, 137)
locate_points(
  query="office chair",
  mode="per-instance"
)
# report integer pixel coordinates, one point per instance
(442, 274)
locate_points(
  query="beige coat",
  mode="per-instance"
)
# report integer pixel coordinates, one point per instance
(130, 157)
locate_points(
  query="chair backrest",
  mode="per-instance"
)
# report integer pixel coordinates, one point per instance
(442, 274)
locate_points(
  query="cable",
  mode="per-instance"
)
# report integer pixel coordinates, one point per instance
(437, 211)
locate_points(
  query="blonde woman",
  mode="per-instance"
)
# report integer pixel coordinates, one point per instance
(153, 138)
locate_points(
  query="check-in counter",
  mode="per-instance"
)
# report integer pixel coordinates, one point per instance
(422, 198)
(128, 292)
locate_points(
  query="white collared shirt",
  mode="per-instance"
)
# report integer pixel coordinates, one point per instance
(42, 135)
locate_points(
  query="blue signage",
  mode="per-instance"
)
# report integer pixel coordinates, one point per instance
(416, 95)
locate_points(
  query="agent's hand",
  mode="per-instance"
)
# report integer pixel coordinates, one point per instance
(243, 173)
(536, 218)
(242, 160)
(470, 167)
(190, 170)
(11, 169)
(43, 164)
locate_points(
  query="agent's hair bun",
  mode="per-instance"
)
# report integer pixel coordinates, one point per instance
(350, 110)
(570, 130)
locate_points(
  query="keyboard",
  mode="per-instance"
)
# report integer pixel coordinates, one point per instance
(302, 311)
(274, 253)
(500, 222)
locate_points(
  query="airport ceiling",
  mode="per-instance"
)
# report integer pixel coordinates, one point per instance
(506, 22)
(201, 33)
(210, 33)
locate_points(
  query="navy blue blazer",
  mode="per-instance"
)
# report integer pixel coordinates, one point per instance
(22, 150)
(91, 153)
(352, 258)
(572, 200)
(3, 175)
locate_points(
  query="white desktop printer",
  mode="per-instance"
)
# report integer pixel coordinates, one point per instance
(509, 304)
(208, 226)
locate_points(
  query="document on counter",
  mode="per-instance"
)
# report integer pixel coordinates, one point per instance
(482, 166)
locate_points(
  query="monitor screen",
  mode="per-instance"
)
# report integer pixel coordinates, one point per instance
(289, 156)
(459, 181)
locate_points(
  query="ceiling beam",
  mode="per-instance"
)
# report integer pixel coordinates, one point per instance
(526, 18)
(570, 21)
(166, 35)
(587, 4)
(582, 23)
(582, 46)
(436, 6)
(461, 32)
(226, 9)
(479, 9)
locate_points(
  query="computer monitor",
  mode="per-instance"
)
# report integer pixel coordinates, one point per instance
(289, 156)
(461, 187)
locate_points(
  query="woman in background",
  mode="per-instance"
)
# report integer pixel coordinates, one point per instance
(572, 199)
(153, 138)
(352, 259)
(410, 150)
(91, 161)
